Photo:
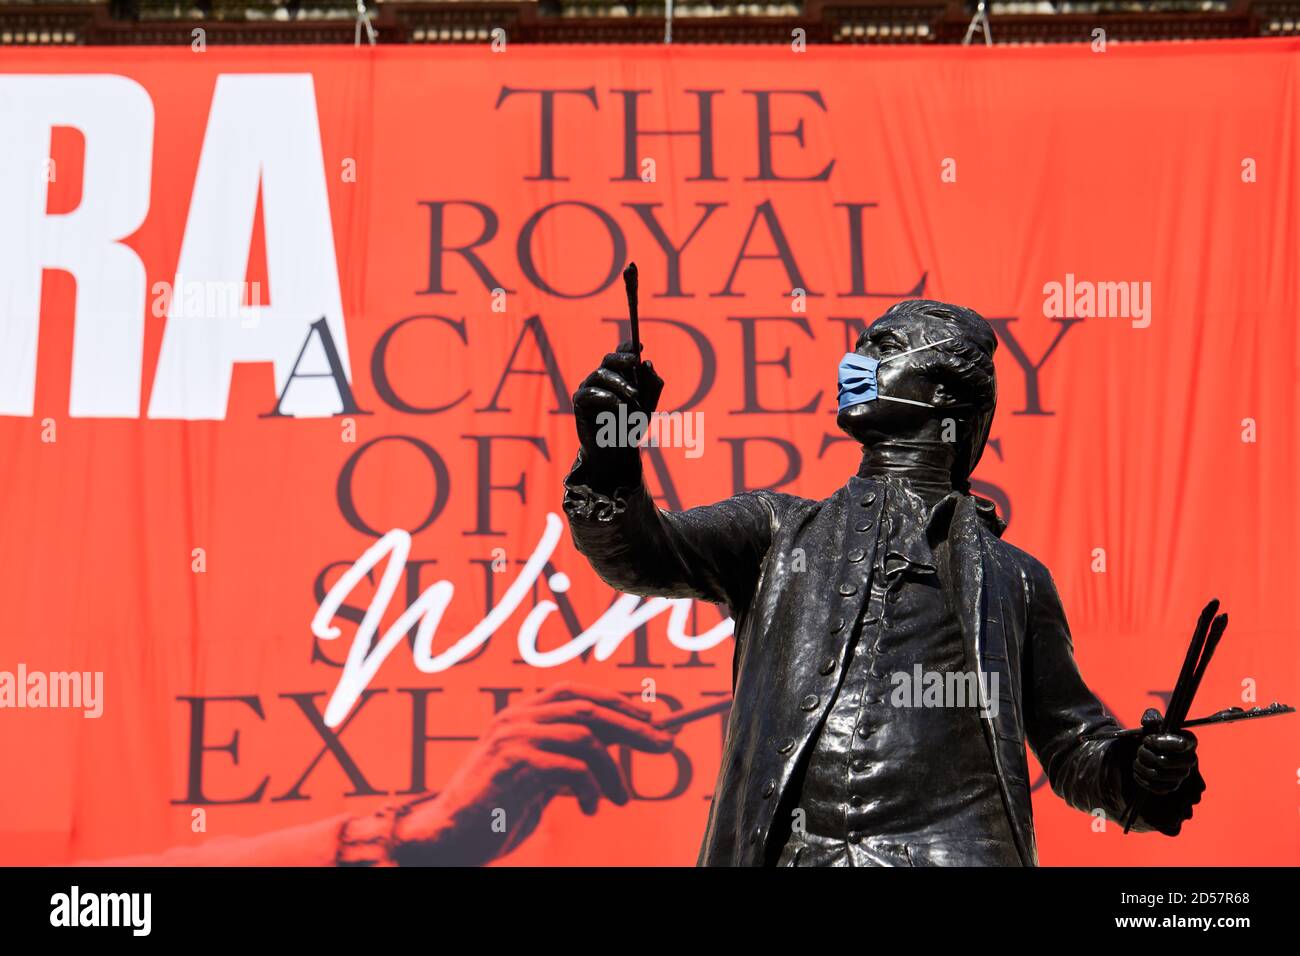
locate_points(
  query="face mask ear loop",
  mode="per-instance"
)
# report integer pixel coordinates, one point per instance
(905, 401)
(938, 408)
(919, 348)
(908, 401)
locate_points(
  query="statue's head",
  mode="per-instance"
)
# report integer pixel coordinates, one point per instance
(943, 388)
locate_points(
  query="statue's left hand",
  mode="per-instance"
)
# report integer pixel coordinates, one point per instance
(1163, 760)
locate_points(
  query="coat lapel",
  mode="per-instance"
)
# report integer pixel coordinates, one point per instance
(967, 560)
(966, 571)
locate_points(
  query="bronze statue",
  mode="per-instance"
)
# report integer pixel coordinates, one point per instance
(893, 655)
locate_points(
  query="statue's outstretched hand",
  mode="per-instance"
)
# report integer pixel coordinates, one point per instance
(1165, 768)
(606, 436)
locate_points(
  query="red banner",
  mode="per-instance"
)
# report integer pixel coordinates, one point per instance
(266, 311)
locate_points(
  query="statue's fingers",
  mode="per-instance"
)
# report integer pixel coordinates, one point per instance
(600, 375)
(1149, 764)
(1162, 762)
(1170, 744)
(611, 381)
(1175, 773)
(592, 400)
(1155, 785)
(592, 380)
(619, 361)
(1158, 787)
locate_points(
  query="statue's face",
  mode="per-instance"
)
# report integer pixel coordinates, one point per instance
(901, 378)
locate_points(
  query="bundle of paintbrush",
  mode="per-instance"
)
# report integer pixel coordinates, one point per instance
(1209, 630)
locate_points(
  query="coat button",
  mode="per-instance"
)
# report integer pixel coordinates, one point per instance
(856, 555)
(859, 765)
(829, 666)
(810, 702)
(769, 788)
(837, 625)
(869, 500)
(848, 589)
(787, 745)
(863, 526)
(855, 800)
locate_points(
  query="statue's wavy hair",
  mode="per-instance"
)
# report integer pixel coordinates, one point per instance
(965, 368)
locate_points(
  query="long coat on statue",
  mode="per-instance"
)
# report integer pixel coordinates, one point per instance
(793, 573)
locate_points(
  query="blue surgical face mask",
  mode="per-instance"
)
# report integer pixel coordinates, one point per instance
(857, 380)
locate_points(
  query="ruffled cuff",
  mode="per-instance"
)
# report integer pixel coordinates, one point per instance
(585, 503)
(582, 500)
